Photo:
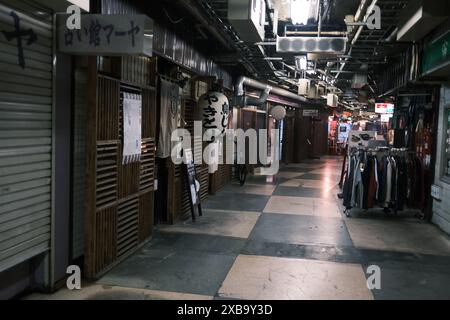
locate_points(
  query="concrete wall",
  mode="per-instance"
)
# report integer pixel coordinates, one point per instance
(441, 209)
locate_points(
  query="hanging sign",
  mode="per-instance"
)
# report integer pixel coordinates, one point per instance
(192, 184)
(215, 108)
(436, 54)
(386, 117)
(107, 35)
(384, 108)
(310, 112)
(132, 127)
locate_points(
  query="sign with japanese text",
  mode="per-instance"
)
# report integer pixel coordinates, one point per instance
(386, 117)
(107, 35)
(216, 109)
(132, 127)
(310, 112)
(436, 54)
(18, 35)
(384, 108)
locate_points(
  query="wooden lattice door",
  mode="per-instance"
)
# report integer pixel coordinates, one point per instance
(119, 196)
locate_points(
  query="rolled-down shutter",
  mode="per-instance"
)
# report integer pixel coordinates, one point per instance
(25, 131)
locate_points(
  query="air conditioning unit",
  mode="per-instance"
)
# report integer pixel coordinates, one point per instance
(321, 90)
(308, 89)
(304, 86)
(313, 92)
(332, 100)
(312, 45)
(248, 18)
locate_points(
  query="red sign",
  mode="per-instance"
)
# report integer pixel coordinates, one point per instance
(384, 108)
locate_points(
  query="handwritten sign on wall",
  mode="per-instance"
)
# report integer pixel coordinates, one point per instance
(107, 35)
(21, 37)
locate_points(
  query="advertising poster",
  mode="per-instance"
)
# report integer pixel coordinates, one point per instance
(132, 127)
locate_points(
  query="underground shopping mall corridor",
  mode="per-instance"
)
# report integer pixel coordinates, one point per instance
(282, 237)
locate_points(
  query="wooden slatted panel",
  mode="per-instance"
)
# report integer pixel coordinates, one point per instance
(121, 198)
(146, 215)
(174, 191)
(203, 175)
(189, 109)
(129, 176)
(147, 170)
(106, 174)
(105, 238)
(136, 70)
(127, 225)
(108, 109)
(177, 171)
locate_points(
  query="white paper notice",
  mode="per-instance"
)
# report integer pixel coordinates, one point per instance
(132, 127)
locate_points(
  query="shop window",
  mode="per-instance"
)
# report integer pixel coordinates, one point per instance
(447, 143)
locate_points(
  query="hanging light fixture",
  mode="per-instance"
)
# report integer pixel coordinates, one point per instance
(300, 11)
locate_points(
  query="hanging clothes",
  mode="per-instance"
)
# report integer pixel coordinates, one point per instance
(372, 183)
(348, 182)
(392, 182)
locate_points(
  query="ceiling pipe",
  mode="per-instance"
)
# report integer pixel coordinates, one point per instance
(392, 36)
(368, 9)
(189, 7)
(244, 81)
(193, 10)
(362, 7)
(319, 28)
(269, 8)
(314, 33)
(250, 101)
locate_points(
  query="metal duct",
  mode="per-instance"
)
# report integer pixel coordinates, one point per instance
(420, 17)
(244, 81)
(250, 101)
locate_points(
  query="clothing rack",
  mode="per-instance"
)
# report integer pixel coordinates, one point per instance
(382, 151)
(389, 178)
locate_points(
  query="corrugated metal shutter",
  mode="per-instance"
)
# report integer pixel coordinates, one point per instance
(25, 134)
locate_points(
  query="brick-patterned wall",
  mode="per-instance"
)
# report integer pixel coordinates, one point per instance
(441, 209)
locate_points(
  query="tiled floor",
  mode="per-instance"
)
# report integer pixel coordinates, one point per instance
(284, 237)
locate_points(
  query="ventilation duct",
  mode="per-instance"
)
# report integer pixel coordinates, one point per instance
(241, 100)
(420, 17)
(248, 18)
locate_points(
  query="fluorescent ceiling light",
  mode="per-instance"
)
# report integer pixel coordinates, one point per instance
(300, 11)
